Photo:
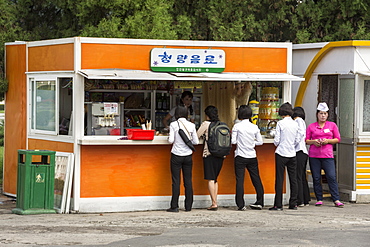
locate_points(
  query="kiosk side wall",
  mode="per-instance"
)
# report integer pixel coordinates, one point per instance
(16, 113)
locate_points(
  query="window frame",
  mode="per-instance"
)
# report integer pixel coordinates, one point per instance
(54, 135)
(361, 106)
(32, 81)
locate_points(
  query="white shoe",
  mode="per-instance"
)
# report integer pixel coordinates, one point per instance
(257, 207)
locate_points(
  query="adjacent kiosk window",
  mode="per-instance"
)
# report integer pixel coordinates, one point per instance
(51, 106)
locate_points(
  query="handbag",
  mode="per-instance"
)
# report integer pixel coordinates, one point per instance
(185, 138)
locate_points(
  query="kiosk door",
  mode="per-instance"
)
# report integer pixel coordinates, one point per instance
(346, 122)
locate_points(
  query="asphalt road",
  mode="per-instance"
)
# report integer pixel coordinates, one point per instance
(307, 226)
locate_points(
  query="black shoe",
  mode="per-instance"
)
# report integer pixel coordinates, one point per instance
(173, 210)
(187, 210)
(276, 208)
(242, 208)
(293, 207)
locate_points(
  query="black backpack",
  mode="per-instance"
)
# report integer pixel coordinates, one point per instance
(219, 139)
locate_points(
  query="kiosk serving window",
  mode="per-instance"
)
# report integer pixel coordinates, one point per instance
(51, 106)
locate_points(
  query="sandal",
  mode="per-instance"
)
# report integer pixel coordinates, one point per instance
(319, 203)
(338, 204)
(212, 208)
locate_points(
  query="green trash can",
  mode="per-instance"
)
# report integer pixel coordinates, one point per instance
(35, 182)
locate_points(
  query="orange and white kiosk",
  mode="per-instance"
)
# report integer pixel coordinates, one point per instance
(82, 95)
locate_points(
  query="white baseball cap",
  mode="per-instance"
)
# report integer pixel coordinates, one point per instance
(323, 107)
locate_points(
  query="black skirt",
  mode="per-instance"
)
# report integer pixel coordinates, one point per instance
(212, 167)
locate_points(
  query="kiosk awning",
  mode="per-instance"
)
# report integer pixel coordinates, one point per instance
(364, 73)
(121, 74)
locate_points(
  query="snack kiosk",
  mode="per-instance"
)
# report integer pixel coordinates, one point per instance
(92, 97)
(339, 74)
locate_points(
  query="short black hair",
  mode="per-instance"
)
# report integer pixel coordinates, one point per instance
(212, 112)
(181, 111)
(187, 93)
(244, 112)
(286, 109)
(299, 112)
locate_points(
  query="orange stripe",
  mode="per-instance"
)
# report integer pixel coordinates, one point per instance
(361, 187)
(363, 148)
(363, 159)
(363, 170)
(137, 57)
(366, 181)
(363, 154)
(363, 176)
(363, 165)
(50, 145)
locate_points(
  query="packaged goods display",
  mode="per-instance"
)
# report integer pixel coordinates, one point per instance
(268, 108)
(254, 105)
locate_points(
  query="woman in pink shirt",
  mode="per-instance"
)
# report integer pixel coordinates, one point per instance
(321, 136)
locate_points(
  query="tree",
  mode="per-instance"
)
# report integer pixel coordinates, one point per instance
(318, 21)
(9, 31)
(47, 19)
(141, 19)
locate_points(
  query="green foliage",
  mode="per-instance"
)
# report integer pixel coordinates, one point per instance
(3, 87)
(106, 29)
(336, 20)
(157, 25)
(1, 133)
(234, 20)
(1, 164)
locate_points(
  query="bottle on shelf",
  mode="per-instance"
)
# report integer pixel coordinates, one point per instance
(164, 102)
(159, 102)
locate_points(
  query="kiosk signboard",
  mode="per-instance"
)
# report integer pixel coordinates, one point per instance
(187, 60)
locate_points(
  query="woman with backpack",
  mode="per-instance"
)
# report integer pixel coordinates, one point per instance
(212, 164)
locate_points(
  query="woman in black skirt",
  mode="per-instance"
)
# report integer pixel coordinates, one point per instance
(212, 164)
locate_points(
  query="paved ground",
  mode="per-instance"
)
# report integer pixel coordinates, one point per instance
(308, 226)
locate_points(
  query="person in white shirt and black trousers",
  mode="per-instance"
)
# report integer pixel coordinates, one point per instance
(286, 138)
(246, 136)
(181, 158)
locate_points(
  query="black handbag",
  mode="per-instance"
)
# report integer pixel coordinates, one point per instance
(185, 138)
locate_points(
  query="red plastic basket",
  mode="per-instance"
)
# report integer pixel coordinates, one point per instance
(138, 134)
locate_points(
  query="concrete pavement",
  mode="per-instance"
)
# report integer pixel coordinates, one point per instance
(307, 226)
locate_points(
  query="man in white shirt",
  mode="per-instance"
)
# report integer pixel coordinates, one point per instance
(181, 158)
(286, 138)
(246, 136)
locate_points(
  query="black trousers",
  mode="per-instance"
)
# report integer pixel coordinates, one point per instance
(291, 164)
(251, 164)
(303, 190)
(184, 164)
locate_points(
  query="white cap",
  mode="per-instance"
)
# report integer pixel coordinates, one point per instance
(323, 107)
